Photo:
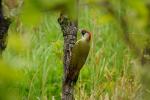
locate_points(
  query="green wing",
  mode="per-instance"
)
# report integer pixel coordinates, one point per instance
(75, 54)
(79, 54)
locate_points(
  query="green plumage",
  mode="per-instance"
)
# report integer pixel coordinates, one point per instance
(79, 55)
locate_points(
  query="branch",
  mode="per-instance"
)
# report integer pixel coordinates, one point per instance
(69, 29)
(123, 24)
(4, 25)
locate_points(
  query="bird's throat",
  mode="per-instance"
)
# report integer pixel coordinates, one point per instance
(87, 37)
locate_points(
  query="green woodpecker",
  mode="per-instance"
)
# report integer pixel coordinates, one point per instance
(79, 55)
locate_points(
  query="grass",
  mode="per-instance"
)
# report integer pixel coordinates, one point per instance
(107, 74)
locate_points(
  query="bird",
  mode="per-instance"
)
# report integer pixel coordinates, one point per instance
(79, 55)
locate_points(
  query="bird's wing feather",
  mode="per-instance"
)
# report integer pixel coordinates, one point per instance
(78, 58)
(75, 54)
(73, 62)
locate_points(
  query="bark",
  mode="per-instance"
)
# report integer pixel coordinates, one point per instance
(69, 29)
(4, 25)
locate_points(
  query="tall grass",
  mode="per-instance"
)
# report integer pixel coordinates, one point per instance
(107, 74)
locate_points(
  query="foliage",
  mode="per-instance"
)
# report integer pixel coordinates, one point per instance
(35, 52)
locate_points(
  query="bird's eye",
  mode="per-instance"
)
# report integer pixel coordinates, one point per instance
(83, 32)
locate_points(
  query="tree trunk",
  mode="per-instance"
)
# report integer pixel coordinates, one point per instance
(4, 25)
(69, 29)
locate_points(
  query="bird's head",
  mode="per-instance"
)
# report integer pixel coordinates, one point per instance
(86, 35)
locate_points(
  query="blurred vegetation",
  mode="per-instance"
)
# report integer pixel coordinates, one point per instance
(32, 67)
